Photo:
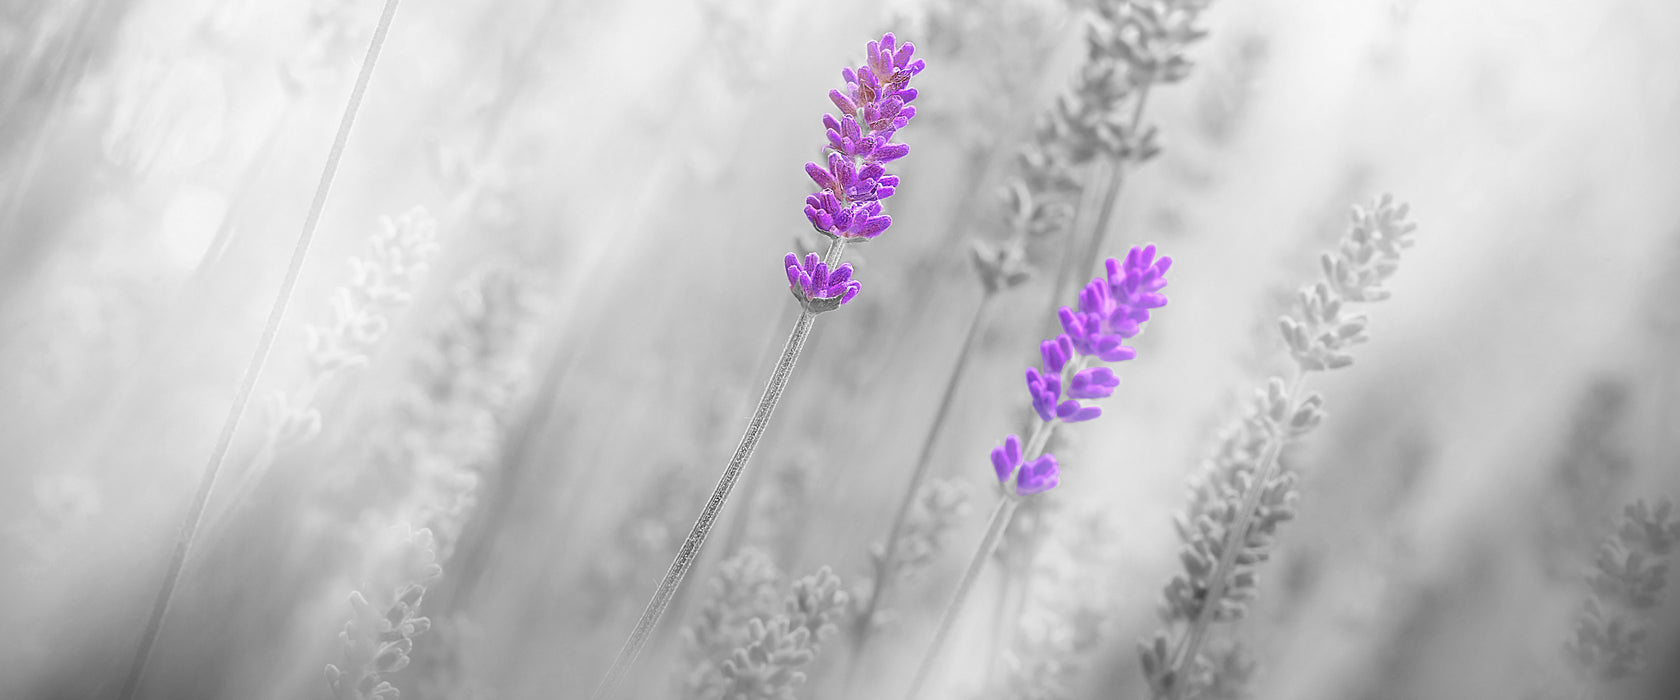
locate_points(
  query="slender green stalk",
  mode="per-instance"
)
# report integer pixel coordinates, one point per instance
(690, 550)
(1235, 542)
(884, 572)
(195, 512)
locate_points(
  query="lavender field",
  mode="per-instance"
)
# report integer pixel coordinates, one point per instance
(921, 349)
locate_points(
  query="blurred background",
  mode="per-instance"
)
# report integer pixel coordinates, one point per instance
(602, 194)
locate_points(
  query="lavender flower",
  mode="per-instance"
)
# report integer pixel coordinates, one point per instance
(876, 104)
(816, 288)
(1245, 491)
(1111, 309)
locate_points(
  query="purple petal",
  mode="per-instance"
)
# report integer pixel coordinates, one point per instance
(822, 177)
(842, 102)
(840, 275)
(1038, 476)
(890, 152)
(1071, 411)
(875, 226)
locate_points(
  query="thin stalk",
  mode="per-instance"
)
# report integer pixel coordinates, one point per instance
(1236, 540)
(1099, 235)
(1000, 612)
(995, 528)
(1112, 184)
(690, 550)
(994, 532)
(736, 531)
(183, 543)
(884, 575)
(1066, 265)
(241, 194)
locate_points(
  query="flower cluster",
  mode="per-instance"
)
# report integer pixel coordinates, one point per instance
(1111, 310)
(816, 287)
(753, 642)
(875, 105)
(1629, 574)
(1131, 45)
(1244, 492)
(378, 640)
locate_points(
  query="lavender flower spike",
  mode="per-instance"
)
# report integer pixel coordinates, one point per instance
(1111, 310)
(875, 105)
(816, 288)
(847, 207)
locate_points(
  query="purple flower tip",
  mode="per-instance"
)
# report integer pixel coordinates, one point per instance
(873, 106)
(1006, 458)
(1038, 476)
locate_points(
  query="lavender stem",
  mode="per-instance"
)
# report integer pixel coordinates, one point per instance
(884, 573)
(988, 544)
(690, 550)
(195, 512)
(1235, 542)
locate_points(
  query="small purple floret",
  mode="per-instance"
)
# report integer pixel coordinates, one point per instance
(1093, 383)
(1038, 476)
(1006, 458)
(1071, 411)
(1056, 353)
(811, 281)
(1046, 390)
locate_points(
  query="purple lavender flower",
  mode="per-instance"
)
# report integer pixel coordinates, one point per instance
(875, 105)
(1114, 308)
(816, 288)
(1037, 476)
(1111, 310)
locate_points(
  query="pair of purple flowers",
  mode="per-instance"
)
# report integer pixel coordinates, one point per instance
(874, 106)
(1111, 310)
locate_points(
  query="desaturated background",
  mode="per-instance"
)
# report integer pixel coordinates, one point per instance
(637, 166)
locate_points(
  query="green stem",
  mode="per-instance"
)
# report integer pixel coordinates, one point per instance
(690, 550)
(1235, 541)
(195, 512)
(886, 570)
